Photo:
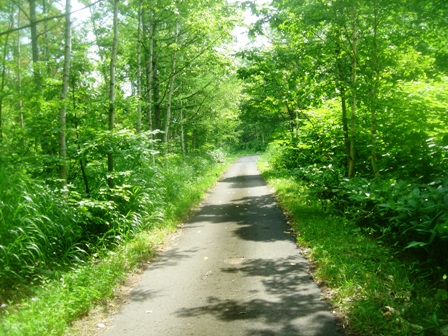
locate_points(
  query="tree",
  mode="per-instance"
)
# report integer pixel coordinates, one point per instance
(64, 93)
(113, 60)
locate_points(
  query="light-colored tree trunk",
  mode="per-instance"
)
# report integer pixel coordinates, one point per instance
(44, 49)
(65, 82)
(113, 60)
(182, 131)
(345, 124)
(171, 87)
(5, 52)
(139, 69)
(150, 71)
(34, 44)
(19, 72)
(150, 74)
(354, 46)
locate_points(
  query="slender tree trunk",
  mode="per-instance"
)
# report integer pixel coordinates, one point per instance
(182, 132)
(374, 96)
(352, 157)
(19, 73)
(113, 60)
(139, 69)
(81, 162)
(291, 118)
(34, 44)
(5, 52)
(345, 125)
(63, 110)
(156, 91)
(150, 74)
(44, 50)
(296, 124)
(171, 87)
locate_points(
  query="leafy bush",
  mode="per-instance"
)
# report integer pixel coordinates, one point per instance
(410, 215)
(38, 227)
(43, 230)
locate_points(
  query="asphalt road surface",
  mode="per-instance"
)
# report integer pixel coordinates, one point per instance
(234, 270)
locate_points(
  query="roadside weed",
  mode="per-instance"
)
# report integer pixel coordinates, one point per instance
(373, 291)
(62, 295)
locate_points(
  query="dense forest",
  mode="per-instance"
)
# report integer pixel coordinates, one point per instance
(352, 98)
(110, 110)
(104, 110)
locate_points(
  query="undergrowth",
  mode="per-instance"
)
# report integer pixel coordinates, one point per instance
(374, 291)
(47, 299)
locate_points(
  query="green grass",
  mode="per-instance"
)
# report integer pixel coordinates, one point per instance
(57, 303)
(52, 306)
(373, 291)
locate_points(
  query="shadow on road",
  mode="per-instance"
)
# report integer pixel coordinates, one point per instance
(293, 307)
(172, 257)
(246, 181)
(257, 218)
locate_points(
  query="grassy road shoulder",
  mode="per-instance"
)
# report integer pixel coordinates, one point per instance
(56, 304)
(373, 292)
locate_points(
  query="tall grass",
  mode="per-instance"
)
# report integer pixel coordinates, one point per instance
(38, 230)
(100, 239)
(45, 230)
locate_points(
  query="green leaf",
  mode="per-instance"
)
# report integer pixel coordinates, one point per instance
(416, 244)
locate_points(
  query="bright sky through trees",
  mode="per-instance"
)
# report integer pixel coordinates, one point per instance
(241, 33)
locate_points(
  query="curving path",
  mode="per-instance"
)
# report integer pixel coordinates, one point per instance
(235, 270)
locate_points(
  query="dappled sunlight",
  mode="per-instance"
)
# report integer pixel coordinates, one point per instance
(291, 307)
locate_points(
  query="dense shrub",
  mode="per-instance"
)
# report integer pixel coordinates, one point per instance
(405, 213)
(44, 229)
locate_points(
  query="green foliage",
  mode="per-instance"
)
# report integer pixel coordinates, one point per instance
(374, 292)
(39, 232)
(45, 230)
(59, 302)
(129, 220)
(405, 214)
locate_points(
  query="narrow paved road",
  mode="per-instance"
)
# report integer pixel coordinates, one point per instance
(234, 271)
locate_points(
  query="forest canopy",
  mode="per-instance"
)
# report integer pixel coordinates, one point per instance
(108, 111)
(351, 97)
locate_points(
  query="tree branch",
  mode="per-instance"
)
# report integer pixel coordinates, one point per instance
(12, 30)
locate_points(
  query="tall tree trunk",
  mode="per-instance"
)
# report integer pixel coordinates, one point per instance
(63, 110)
(171, 87)
(150, 74)
(149, 71)
(113, 60)
(152, 28)
(44, 50)
(182, 131)
(345, 125)
(19, 72)
(81, 162)
(156, 91)
(2, 91)
(352, 157)
(374, 95)
(34, 44)
(139, 69)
